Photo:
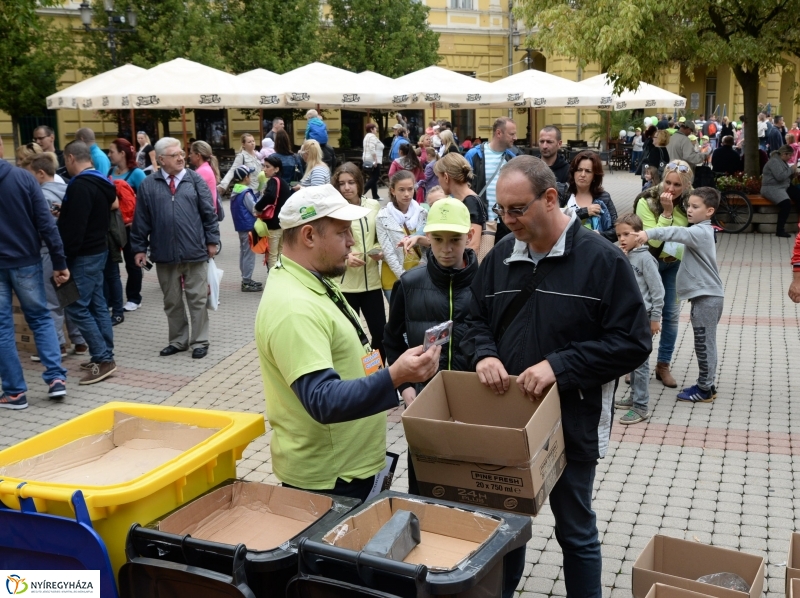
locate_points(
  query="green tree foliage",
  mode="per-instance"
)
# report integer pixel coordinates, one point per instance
(636, 39)
(33, 54)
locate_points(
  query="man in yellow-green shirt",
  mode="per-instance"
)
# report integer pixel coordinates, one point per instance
(327, 393)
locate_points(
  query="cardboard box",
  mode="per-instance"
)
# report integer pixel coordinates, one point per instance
(793, 563)
(794, 588)
(471, 446)
(132, 448)
(659, 590)
(261, 516)
(448, 536)
(679, 563)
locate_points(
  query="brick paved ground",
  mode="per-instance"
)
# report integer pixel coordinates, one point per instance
(722, 473)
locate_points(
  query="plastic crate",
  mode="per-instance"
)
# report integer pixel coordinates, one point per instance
(112, 509)
(268, 571)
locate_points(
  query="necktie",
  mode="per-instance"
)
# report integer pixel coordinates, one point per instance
(172, 184)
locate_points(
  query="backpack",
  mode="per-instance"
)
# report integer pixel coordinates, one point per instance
(259, 243)
(712, 129)
(126, 196)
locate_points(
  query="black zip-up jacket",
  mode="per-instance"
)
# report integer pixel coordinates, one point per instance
(560, 168)
(275, 187)
(177, 228)
(426, 296)
(85, 214)
(586, 318)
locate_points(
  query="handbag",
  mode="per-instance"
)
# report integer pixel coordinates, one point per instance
(269, 212)
(488, 237)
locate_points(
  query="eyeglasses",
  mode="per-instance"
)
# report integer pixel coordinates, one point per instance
(515, 212)
(678, 167)
(178, 155)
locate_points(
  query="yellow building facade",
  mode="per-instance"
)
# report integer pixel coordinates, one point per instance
(475, 38)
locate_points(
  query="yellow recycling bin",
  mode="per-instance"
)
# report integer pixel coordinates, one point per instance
(132, 462)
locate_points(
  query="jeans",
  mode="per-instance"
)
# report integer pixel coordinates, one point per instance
(635, 158)
(576, 529)
(56, 311)
(671, 312)
(247, 259)
(640, 387)
(28, 285)
(372, 183)
(90, 312)
(112, 286)
(370, 303)
(133, 287)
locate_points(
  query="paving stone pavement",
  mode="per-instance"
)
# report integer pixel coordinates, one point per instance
(721, 473)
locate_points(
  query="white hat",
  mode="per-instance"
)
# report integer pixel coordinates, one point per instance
(312, 203)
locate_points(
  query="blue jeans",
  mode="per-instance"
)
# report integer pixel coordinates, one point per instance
(640, 387)
(576, 529)
(90, 312)
(671, 312)
(28, 285)
(112, 286)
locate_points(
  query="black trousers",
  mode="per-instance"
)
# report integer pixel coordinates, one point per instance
(133, 287)
(372, 183)
(785, 207)
(359, 489)
(370, 303)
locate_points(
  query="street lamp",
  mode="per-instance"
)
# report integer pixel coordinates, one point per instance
(113, 27)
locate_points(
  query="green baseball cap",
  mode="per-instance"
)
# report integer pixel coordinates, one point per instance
(448, 215)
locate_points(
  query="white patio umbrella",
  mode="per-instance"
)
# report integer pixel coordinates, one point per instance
(645, 96)
(537, 89)
(447, 89)
(263, 81)
(77, 96)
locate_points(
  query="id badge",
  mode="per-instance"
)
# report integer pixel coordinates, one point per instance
(372, 362)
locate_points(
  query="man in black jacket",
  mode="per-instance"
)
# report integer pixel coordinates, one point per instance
(549, 146)
(725, 159)
(557, 303)
(83, 224)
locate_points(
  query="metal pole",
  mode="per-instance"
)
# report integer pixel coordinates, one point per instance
(530, 109)
(510, 46)
(578, 111)
(133, 129)
(183, 120)
(260, 125)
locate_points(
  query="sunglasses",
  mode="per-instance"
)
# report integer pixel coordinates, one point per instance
(515, 212)
(678, 167)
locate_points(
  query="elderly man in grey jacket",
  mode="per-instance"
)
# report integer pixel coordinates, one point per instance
(681, 148)
(175, 218)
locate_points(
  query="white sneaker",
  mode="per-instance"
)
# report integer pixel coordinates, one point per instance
(130, 306)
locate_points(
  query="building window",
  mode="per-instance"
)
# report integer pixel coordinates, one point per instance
(462, 4)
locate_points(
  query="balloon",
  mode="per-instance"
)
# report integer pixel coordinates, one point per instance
(647, 121)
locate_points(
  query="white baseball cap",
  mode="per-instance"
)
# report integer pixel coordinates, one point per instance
(312, 203)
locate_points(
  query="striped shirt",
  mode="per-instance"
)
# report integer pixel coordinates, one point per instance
(491, 163)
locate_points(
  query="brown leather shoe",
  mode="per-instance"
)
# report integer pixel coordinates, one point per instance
(663, 374)
(99, 371)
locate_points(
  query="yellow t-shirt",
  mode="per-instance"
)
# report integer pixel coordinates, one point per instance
(300, 330)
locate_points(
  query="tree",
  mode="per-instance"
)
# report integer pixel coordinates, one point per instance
(34, 53)
(390, 37)
(634, 40)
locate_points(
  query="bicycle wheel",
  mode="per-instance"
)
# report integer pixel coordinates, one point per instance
(734, 213)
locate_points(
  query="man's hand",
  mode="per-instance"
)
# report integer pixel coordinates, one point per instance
(409, 396)
(415, 365)
(655, 328)
(212, 250)
(353, 261)
(220, 191)
(794, 288)
(594, 210)
(491, 373)
(140, 259)
(61, 276)
(536, 379)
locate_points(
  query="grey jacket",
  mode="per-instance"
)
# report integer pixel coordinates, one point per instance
(680, 148)
(698, 275)
(645, 270)
(53, 192)
(177, 229)
(775, 180)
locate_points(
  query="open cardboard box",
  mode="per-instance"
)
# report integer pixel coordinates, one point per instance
(679, 563)
(133, 447)
(793, 564)
(448, 535)
(471, 446)
(261, 516)
(794, 588)
(659, 590)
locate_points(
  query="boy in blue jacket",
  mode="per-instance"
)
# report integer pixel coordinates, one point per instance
(243, 201)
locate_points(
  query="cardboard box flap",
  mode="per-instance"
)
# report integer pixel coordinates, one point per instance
(793, 563)
(794, 588)
(660, 590)
(261, 516)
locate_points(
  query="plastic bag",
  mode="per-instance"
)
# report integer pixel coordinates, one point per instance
(214, 280)
(730, 581)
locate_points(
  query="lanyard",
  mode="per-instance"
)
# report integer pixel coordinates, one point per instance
(340, 302)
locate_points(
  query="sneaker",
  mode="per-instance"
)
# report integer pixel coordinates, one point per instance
(117, 320)
(695, 394)
(131, 306)
(81, 349)
(633, 417)
(13, 401)
(87, 365)
(35, 357)
(251, 286)
(99, 371)
(625, 403)
(58, 390)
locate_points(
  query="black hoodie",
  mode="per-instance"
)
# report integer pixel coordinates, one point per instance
(85, 213)
(560, 168)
